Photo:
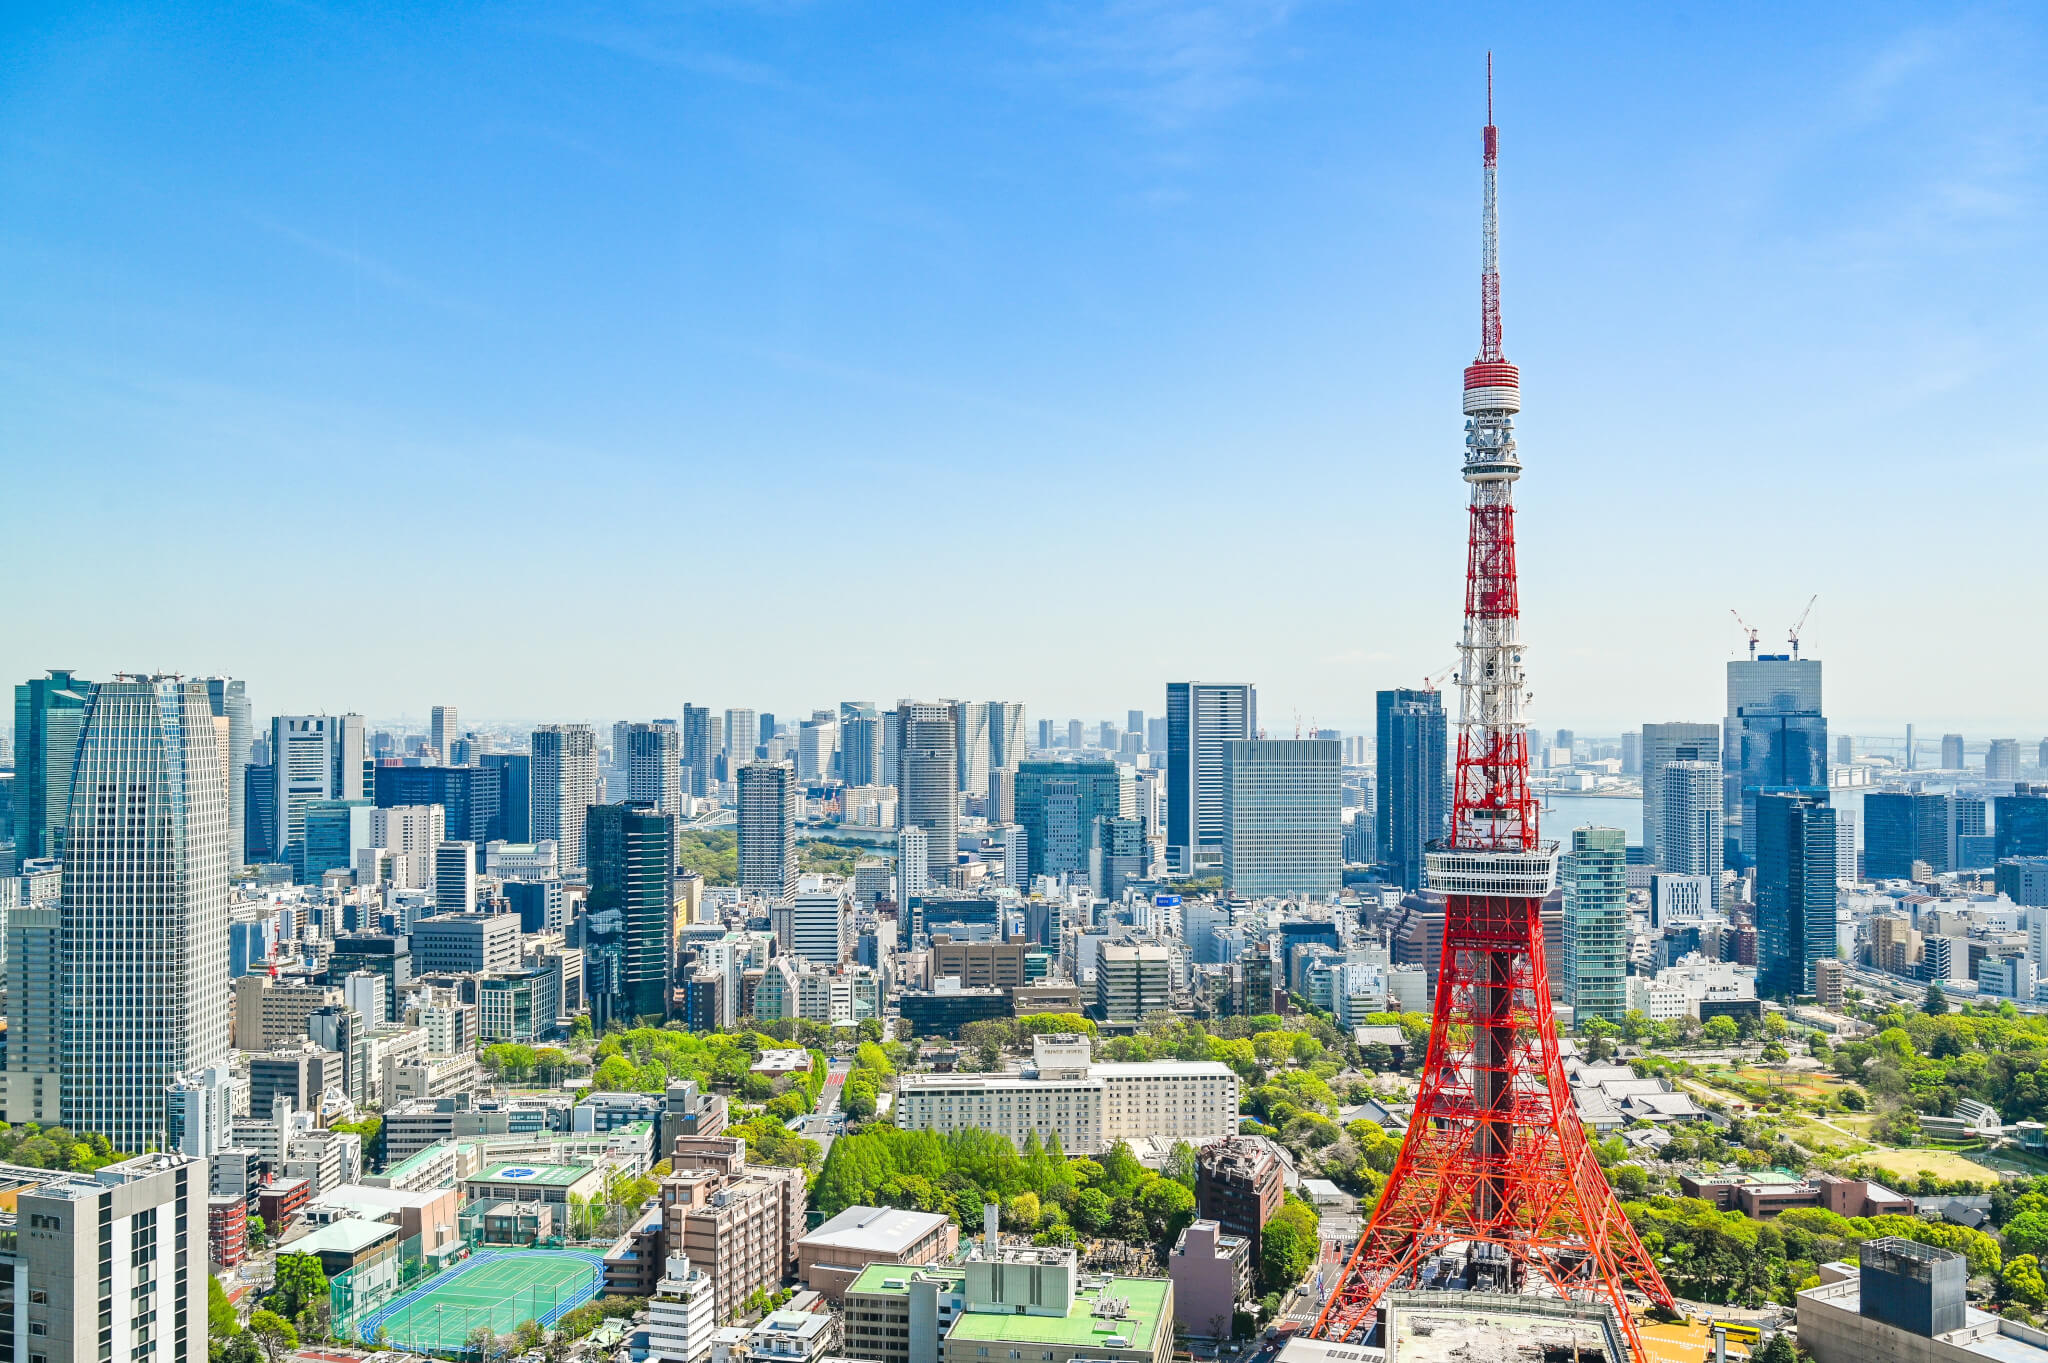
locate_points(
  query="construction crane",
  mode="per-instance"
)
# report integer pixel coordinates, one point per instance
(1793, 634)
(1435, 679)
(1746, 630)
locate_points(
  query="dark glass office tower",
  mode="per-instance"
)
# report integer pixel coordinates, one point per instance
(631, 849)
(1413, 801)
(1795, 890)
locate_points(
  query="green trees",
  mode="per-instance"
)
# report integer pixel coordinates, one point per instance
(274, 1334)
(301, 1282)
(2020, 1281)
(1936, 1002)
(1288, 1245)
(220, 1312)
(2027, 1233)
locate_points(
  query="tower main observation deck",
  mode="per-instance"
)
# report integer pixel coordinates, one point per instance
(1496, 1186)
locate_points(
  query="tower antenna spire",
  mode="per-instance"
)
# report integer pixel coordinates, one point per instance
(1496, 1179)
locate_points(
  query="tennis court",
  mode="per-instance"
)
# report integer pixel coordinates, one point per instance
(498, 1288)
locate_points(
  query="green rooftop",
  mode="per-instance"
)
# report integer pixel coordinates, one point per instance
(1081, 1328)
(538, 1175)
(874, 1275)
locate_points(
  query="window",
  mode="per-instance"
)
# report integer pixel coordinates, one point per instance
(38, 1297)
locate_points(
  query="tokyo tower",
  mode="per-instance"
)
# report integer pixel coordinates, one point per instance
(1496, 1187)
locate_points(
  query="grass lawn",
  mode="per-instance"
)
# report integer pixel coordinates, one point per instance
(1817, 1138)
(1945, 1164)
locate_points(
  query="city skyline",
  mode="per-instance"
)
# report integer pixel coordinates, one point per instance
(1012, 274)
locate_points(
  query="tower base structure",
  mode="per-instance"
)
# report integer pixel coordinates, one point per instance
(1496, 1188)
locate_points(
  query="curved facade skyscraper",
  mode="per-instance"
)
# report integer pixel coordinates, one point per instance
(143, 918)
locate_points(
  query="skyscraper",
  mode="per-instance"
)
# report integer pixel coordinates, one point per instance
(1006, 742)
(1663, 744)
(1283, 808)
(767, 830)
(703, 733)
(1594, 875)
(1632, 753)
(1688, 822)
(2019, 822)
(1074, 739)
(913, 865)
(1134, 723)
(1411, 810)
(1901, 827)
(1200, 718)
(455, 877)
(1952, 752)
(928, 783)
(1058, 806)
(817, 743)
(654, 765)
(317, 757)
(444, 726)
(860, 753)
(971, 745)
(471, 796)
(230, 701)
(48, 713)
(143, 917)
(742, 739)
(515, 795)
(2002, 760)
(1775, 737)
(1795, 890)
(564, 776)
(631, 848)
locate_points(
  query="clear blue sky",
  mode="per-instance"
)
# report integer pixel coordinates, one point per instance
(567, 361)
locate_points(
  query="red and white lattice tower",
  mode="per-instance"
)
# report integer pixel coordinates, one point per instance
(1496, 1185)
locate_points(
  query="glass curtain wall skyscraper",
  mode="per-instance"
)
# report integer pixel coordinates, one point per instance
(632, 875)
(1594, 876)
(1060, 806)
(1413, 804)
(142, 917)
(1795, 890)
(702, 732)
(1774, 738)
(1200, 718)
(48, 714)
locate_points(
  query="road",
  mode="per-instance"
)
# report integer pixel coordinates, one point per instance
(826, 1124)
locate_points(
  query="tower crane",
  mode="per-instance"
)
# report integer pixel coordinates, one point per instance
(1746, 629)
(1792, 634)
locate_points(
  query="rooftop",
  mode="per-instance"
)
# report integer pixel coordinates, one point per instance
(1145, 1297)
(541, 1175)
(887, 1229)
(350, 1235)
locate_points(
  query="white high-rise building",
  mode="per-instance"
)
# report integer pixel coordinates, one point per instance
(971, 745)
(1010, 837)
(1200, 718)
(817, 741)
(564, 769)
(653, 760)
(913, 864)
(230, 701)
(410, 833)
(742, 737)
(818, 918)
(318, 757)
(928, 782)
(201, 1107)
(443, 728)
(767, 830)
(682, 1315)
(455, 877)
(143, 913)
(1688, 821)
(1663, 744)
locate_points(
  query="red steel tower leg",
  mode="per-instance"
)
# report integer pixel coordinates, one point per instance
(1496, 1180)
